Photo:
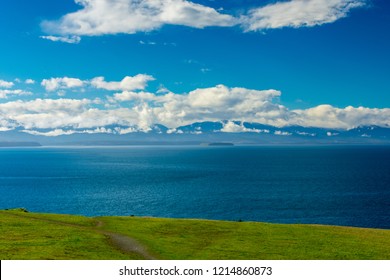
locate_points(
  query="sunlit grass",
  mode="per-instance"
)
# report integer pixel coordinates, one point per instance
(50, 236)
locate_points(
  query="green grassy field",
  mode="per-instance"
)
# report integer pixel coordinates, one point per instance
(49, 236)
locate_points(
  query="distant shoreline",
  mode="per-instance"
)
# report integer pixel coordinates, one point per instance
(123, 145)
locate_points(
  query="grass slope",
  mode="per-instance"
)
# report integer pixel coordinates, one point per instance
(22, 237)
(49, 236)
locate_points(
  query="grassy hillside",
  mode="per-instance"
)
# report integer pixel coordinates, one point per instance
(22, 236)
(49, 236)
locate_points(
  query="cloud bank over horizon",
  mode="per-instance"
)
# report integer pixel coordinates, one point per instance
(108, 17)
(129, 106)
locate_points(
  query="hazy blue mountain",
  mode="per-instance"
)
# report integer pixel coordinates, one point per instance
(202, 132)
(204, 127)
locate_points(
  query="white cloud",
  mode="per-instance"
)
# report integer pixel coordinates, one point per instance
(6, 84)
(147, 43)
(327, 116)
(131, 111)
(214, 104)
(143, 109)
(61, 93)
(232, 127)
(52, 133)
(102, 17)
(330, 134)
(137, 82)
(29, 82)
(2, 129)
(128, 130)
(175, 131)
(4, 93)
(63, 39)
(298, 13)
(59, 131)
(99, 17)
(61, 83)
(69, 113)
(282, 133)
(226, 98)
(44, 105)
(305, 133)
(261, 106)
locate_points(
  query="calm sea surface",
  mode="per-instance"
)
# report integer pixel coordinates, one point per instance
(326, 185)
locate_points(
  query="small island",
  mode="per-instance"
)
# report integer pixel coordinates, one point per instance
(217, 144)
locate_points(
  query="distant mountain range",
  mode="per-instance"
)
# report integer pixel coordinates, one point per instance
(204, 132)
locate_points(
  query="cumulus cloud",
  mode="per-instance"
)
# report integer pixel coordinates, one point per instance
(214, 104)
(63, 39)
(99, 17)
(143, 109)
(102, 17)
(44, 105)
(232, 127)
(54, 84)
(130, 111)
(298, 13)
(49, 113)
(72, 114)
(6, 84)
(327, 116)
(29, 82)
(137, 82)
(261, 106)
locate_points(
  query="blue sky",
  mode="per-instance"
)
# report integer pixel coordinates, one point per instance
(275, 62)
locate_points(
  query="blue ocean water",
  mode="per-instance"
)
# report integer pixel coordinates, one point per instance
(339, 185)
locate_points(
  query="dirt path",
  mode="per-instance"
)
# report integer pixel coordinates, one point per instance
(125, 243)
(119, 241)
